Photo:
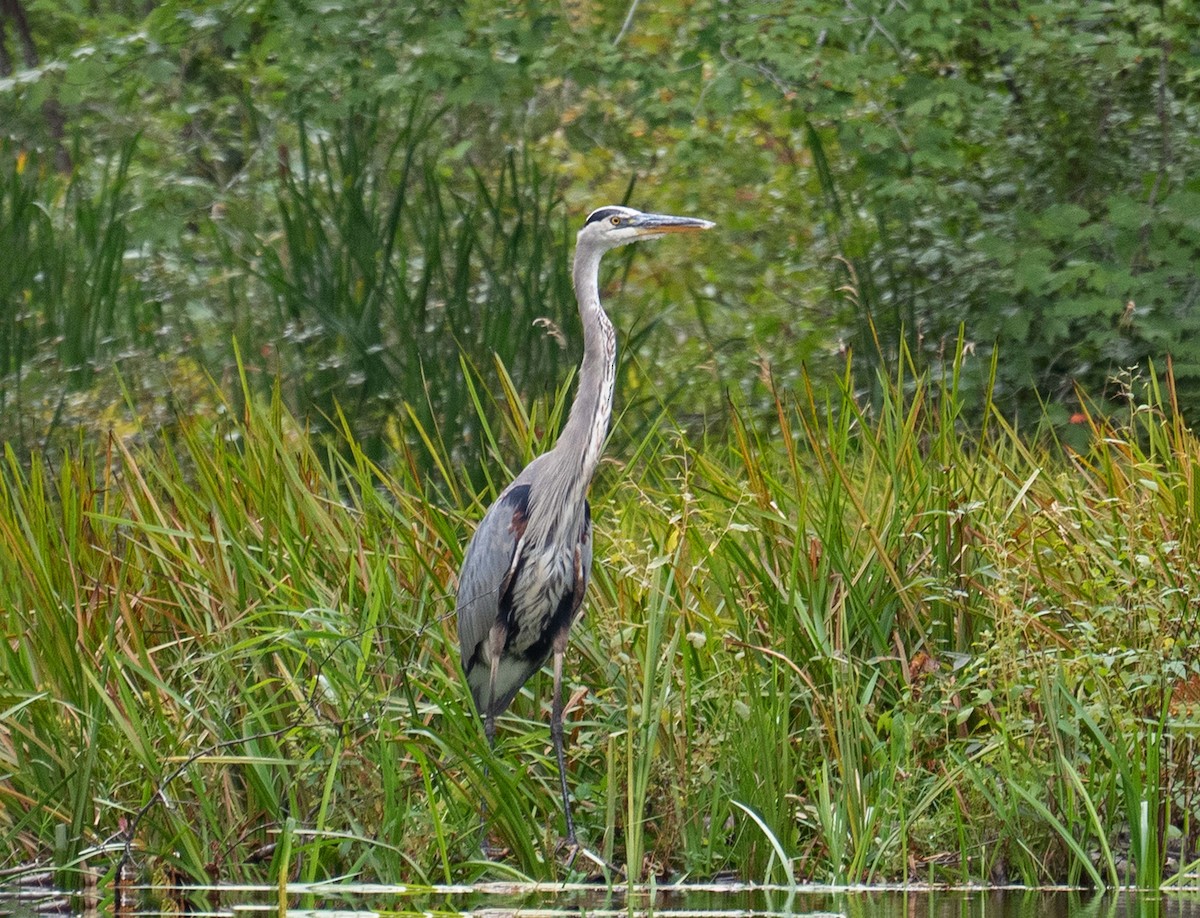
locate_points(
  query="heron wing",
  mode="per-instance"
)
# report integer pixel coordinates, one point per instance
(489, 558)
(585, 551)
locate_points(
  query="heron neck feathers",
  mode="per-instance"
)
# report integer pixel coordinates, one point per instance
(573, 460)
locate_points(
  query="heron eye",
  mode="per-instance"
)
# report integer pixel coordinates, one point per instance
(616, 221)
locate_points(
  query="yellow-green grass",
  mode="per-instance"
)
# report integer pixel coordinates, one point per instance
(866, 644)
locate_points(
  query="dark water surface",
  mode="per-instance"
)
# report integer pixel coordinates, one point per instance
(555, 901)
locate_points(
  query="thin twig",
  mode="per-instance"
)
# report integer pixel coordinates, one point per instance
(627, 23)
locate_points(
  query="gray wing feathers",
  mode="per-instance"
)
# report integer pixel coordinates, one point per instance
(488, 558)
(585, 550)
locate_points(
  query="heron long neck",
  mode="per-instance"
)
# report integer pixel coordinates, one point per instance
(578, 448)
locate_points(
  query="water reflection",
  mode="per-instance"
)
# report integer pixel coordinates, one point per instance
(947, 903)
(515, 901)
(1006, 903)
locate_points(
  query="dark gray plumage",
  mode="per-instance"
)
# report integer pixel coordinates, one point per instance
(526, 568)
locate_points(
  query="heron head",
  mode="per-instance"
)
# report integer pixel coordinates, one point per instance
(612, 226)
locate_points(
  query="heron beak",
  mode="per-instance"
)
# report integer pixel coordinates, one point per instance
(650, 225)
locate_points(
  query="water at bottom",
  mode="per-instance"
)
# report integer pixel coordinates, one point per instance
(555, 901)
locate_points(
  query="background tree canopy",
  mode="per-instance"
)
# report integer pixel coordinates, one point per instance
(357, 193)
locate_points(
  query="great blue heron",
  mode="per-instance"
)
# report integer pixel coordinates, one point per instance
(526, 568)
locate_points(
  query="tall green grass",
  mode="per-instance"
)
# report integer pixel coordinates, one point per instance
(69, 284)
(870, 645)
(359, 270)
(387, 262)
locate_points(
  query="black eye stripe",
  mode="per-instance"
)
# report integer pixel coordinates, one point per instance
(603, 214)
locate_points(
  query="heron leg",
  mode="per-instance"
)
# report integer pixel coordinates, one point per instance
(556, 733)
(556, 709)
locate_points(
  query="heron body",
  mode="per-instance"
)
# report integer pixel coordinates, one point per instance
(526, 568)
(536, 592)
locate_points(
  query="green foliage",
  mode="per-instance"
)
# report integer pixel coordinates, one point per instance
(880, 176)
(384, 275)
(1027, 173)
(70, 287)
